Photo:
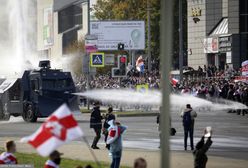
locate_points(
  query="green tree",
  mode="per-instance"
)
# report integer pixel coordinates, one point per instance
(137, 10)
(131, 10)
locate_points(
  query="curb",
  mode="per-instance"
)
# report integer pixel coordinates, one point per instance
(138, 115)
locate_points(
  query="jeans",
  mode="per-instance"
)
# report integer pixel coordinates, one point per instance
(97, 137)
(189, 131)
(116, 159)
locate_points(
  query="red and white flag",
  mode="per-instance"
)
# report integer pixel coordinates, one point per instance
(58, 129)
(174, 81)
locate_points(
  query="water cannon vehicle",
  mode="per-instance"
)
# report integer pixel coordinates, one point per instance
(37, 94)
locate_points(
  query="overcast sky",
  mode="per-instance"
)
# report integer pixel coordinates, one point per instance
(93, 1)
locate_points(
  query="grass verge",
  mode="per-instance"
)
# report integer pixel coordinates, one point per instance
(38, 161)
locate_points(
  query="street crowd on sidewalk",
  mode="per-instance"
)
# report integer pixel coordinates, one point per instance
(207, 83)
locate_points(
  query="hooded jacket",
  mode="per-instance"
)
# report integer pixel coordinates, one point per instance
(192, 113)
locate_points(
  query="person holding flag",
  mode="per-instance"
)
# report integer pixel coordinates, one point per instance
(8, 157)
(58, 129)
(140, 66)
(115, 141)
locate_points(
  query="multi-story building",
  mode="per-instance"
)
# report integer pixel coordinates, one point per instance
(217, 32)
(59, 24)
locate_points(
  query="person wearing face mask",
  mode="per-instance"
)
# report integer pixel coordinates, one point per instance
(54, 160)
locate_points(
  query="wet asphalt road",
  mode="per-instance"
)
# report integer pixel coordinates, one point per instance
(230, 132)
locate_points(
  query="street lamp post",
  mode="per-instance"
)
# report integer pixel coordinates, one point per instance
(181, 39)
(87, 55)
(166, 25)
(149, 35)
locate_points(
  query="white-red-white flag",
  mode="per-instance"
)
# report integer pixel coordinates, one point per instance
(60, 128)
(174, 81)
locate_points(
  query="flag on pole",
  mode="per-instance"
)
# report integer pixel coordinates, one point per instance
(174, 81)
(140, 66)
(60, 128)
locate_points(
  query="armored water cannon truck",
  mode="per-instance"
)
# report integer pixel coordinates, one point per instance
(37, 94)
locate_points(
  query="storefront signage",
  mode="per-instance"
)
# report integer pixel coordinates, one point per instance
(225, 44)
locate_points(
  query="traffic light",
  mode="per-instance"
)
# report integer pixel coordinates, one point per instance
(121, 71)
(121, 46)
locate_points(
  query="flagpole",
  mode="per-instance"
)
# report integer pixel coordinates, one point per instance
(92, 152)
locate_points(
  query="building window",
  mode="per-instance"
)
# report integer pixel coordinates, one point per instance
(244, 23)
(69, 18)
(243, 7)
(243, 16)
(243, 46)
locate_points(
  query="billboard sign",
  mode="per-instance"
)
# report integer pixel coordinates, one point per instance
(48, 27)
(225, 44)
(245, 68)
(111, 33)
(211, 45)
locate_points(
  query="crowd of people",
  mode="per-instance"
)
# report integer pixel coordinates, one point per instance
(220, 88)
(213, 83)
(105, 81)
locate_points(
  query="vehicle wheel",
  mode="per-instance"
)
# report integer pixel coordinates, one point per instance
(4, 115)
(29, 114)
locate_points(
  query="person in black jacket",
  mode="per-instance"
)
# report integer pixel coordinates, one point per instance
(109, 116)
(96, 124)
(200, 157)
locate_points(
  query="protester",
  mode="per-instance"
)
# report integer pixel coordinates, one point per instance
(109, 116)
(188, 116)
(115, 140)
(54, 160)
(200, 157)
(96, 124)
(8, 156)
(140, 163)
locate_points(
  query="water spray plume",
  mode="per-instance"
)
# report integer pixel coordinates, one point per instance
(153, 98)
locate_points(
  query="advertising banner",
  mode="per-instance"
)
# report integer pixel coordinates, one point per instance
(245, 68)
(111, 33)
(48, 27)
(211, 45)
(90, 43)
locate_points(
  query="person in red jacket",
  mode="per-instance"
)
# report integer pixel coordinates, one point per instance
(54, 160)
(8, 157)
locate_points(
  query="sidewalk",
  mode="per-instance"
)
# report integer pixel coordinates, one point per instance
(79, 150)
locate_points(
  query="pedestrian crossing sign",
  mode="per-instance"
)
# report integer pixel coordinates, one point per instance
(97, 60)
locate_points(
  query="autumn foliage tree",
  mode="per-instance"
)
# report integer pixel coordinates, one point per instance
(137, 10)
(131, 10)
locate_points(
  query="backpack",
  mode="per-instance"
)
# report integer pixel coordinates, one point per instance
(187, 119)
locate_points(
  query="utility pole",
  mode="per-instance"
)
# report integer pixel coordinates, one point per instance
(166, 27)
(88, 55)
(149, 34)
(181, 39)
